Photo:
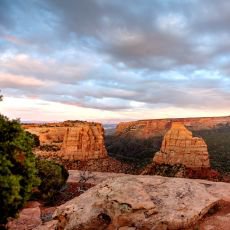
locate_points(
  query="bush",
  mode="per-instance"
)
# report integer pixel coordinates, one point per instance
(166, 170)
(17, 168)
(35, 139)
(49, 148)
(53, 177)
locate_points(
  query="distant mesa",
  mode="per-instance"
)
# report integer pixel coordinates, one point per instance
(70, 140)
(144, 129)
(180, 147)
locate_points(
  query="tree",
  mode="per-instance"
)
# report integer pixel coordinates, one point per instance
(53, 177)
(17, 168)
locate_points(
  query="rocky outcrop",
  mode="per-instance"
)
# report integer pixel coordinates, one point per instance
(83, 143)
(70, 140)
(180, 147)
(221, 190)
(152, 191)
(28, 218)
(136, 202)
(158, 127)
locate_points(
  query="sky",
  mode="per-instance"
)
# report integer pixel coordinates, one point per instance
(114, 60)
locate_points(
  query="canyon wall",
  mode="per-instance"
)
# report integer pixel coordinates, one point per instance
(158, 127)
(180, 147)
(70, 140)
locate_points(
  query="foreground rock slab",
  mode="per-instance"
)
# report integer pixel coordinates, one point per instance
(221, 190)
(136, 202)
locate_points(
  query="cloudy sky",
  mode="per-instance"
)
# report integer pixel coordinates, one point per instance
(112, 60)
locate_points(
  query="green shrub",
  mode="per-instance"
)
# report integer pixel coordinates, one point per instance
(17, 168)
(35, 139)
(49, 148)
(218, 142)
(53, 177)
(170, 170)
(177, 170)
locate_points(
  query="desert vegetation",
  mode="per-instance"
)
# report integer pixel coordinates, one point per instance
(18, 174)
(218, 142)
(139, 151)
(49, 147)
(22, 176)
(53, 177)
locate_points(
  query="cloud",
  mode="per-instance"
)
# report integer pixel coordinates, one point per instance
(17, 81)
(47, 68)
(117, 55)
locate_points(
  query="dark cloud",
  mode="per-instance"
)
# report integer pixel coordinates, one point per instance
(214, 17)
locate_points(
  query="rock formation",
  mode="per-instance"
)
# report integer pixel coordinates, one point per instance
(70, 140)
(136, 202)
(180, 147)
(158, 127)
(83, 143)
(128, 202)
(28, 218)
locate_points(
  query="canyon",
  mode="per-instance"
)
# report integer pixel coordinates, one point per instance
(69, 140)
(158, 127)
(83, 145)
(158, 202)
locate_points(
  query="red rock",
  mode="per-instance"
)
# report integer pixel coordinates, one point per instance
(140, 202)
(84, 143)
(32, 204)
(70, 140)
(180, 147)
(29, 218)
(158, 127)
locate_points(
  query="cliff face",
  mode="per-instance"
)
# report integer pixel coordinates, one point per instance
(70, 140)
(83, 143)
(158, 127)
(180, 147)
(48, 134)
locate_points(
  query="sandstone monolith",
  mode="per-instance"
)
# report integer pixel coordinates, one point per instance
(83, 143)
(180, 147)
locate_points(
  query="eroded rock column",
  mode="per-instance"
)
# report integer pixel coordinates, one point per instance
(180, 147)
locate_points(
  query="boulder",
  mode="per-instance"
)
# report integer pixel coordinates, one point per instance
(180, 147)
(136, 202)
